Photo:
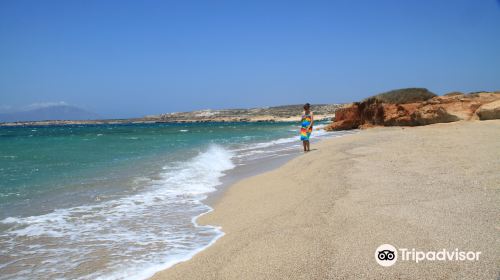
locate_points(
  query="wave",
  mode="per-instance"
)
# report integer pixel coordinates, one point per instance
(131, 229)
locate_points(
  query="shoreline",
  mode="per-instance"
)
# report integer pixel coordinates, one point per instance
(305, 241)
(243, 172)
(263, 165)
(230, 177)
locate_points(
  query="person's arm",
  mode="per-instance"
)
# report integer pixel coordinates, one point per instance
(312, 121)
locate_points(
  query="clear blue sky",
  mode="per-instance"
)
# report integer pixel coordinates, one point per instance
(132, 58)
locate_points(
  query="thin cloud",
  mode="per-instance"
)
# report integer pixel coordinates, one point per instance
(39, 105)
(33, 106)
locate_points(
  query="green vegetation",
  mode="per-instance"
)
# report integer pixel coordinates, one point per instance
(405, 95)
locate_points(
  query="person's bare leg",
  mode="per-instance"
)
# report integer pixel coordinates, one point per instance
(305, 145)
(308, 146)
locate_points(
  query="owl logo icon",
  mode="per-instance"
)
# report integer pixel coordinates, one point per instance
(386, 255)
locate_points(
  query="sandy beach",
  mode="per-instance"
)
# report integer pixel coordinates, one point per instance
(323, 214)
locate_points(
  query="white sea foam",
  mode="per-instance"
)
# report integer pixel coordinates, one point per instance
(267, 144)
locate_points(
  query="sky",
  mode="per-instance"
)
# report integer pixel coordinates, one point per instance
(134, 58)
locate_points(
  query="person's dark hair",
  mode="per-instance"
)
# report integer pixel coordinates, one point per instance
(307, 106)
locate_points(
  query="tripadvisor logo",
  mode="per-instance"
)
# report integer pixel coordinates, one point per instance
(387, 255)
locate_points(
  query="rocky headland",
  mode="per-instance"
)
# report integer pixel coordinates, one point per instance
(416, 106)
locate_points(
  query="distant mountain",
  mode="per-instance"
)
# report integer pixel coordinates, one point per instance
(54, 112)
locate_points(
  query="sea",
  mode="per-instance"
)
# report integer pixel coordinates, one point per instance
(120, 201)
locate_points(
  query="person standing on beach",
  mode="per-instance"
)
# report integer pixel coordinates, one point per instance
(306, 126)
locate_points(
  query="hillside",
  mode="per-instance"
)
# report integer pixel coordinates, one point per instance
(404, 95)
(277, 113)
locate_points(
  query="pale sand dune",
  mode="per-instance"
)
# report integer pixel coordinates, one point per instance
(323, 214)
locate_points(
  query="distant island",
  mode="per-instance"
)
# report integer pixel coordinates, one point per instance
(265, 114)
(47, 111)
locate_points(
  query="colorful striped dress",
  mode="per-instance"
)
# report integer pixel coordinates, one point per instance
(304, 132)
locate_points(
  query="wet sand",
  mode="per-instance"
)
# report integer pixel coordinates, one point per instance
(322, 214)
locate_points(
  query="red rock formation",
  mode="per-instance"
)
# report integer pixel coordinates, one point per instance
(399, 114)
(449, 108)
(346, 118)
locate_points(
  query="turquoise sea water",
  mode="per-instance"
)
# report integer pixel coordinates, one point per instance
(46, 162)
(118, 201)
